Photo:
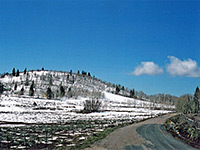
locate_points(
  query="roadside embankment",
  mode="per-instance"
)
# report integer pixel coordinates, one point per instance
(185, 129)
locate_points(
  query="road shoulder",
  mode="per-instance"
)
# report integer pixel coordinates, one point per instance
(125, 136)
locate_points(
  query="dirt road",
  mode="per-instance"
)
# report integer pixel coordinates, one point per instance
(141, 136)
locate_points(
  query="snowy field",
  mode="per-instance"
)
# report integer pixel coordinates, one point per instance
(16, 107)
(114, 107)
(58, 124)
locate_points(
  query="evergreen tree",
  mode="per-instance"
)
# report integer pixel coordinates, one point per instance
(13, 72)
(31, 90)
(123, 88)
(117, 89)
(78, 72)
(17, 74)
(25, 70)
(1, 88)
(42, 68)
(22, 91)
(15, 88)
(132, 93)
(84, 73)
(27, 81)
(49, 93)
(70, 72)
(62, 91)
(89, 74)
(196, 100)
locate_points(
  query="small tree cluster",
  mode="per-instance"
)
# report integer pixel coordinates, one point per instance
(15, 73)
(62, 91)
(183, 104)
(1, 88)
(84, 73)
(187, 104)
(31, 90)
(118, 88)
(92, 106)
(132, 93)
(49, 93)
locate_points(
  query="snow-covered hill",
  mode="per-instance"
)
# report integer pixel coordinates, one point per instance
(74, 84)
(20, 107)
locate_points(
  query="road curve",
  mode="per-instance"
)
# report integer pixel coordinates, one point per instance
(146, 135)
(157, 138)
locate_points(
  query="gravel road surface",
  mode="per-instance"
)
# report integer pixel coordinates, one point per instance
(146, 135)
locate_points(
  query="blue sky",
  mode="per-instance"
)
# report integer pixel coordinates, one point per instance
(151, 46)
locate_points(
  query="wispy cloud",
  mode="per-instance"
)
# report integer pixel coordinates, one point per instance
(188, 68)
(149, 68)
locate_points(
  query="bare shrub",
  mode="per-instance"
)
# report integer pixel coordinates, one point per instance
(92, 106)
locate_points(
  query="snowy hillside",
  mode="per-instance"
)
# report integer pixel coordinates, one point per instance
(16, 106)
(74, 84)
(45, 109)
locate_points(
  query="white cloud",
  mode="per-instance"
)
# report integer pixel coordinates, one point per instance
(188, 68)
(149, 68)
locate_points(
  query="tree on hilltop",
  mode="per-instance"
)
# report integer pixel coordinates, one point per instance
(25, 70)
(123, 88)
(13, 72)
(132, 93)
(17, 74)
(70, 72)
(118, 88)
(84, 73)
